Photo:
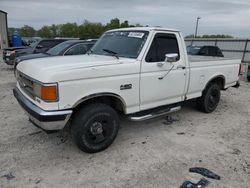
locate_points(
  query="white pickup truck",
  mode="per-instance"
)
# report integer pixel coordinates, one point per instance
(141, 73)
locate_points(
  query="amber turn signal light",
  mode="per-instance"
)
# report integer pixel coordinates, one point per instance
(49, 93)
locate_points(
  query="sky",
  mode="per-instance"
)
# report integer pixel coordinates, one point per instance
(217, 16)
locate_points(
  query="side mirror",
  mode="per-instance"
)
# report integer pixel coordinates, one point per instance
(171, 57)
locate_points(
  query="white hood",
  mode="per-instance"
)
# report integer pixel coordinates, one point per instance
(62, 68)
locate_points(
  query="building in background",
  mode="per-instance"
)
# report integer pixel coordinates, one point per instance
(3, 30)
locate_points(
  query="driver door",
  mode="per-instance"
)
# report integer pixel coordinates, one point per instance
(162, 82)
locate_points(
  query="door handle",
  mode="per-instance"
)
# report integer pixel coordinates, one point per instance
(181, 67)
(160, 64)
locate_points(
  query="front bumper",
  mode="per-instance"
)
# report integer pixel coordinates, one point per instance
(46, 120)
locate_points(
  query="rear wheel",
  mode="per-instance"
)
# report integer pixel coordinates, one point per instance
(94, 127)
(210, 98)
(248, 78)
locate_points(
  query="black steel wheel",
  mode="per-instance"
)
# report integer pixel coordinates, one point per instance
(210, 98)
(94, 127)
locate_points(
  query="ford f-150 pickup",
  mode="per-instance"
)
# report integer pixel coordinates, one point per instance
(141, 73)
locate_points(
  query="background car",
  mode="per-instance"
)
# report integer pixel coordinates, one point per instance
(70, 47)
(9, 54)
(205, 51)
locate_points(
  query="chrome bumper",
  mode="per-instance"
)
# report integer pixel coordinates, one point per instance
(47, 120)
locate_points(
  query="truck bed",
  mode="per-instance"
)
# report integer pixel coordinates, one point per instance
(203, 68)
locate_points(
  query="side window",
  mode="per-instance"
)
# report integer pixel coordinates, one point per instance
(90, 46)
(162, 45)
(204, 51)
(213, 51)
(46, 44)
(219, 52)
(76, 50)
(83, 49)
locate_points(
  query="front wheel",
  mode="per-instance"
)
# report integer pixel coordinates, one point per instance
(94, 127)
(210, 98)
(248, 78)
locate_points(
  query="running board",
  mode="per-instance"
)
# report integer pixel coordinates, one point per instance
(141, 116)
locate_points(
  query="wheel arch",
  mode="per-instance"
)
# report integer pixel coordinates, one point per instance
(220, 79)
(112, 99)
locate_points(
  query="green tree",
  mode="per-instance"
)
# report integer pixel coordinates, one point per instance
(11, 30)
(124, 24)
(27, 31)
(139, 25)
(54, 30)
(44, 32)
(85, 30)
(90, 30)
(210, 36)
(113, 24)
(189, 36)
(217, 36)
(69, 30)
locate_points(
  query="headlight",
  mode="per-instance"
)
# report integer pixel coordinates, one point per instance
(47, 92)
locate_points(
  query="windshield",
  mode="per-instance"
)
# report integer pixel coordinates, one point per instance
(121, 43)
(193, 50)
(56, 50)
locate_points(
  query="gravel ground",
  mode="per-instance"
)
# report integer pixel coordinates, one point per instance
(155, 153)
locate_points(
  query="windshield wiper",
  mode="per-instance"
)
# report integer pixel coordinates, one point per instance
(111, 52)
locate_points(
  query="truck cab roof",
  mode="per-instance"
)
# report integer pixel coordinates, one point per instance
(145, 29)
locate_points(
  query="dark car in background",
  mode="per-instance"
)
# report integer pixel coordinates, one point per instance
(205, 51)
(70, 47)
(9, 53)
(41, 46)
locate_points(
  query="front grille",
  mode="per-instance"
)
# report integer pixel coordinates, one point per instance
(26, 84)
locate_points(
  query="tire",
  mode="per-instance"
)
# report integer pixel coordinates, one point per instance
(94, 127)
(248, 78)
(210, 98)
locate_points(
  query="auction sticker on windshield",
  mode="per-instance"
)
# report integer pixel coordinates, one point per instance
(136, 34)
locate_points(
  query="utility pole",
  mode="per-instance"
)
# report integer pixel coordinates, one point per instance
(196, 28)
